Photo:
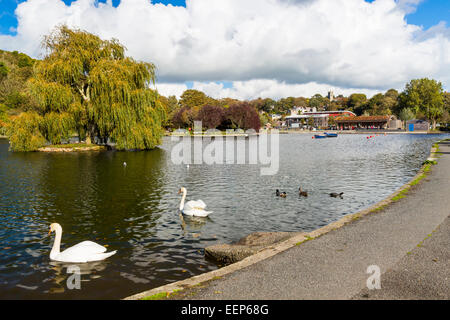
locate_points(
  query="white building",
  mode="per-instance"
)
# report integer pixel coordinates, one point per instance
(275, 116)
(300, 110)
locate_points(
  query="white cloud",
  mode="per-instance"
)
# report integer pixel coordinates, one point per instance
(248, 90)
(171, 89)
(261, 46)
(409, 6)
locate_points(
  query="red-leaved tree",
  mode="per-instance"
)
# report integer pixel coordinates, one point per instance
(243, 116)
(211, 116)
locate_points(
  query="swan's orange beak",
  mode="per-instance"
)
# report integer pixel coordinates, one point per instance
(179, 191)
(49, 231)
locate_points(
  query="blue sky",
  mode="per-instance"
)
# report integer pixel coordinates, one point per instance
(429, 12)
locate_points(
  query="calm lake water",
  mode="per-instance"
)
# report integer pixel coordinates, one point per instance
(134, 208)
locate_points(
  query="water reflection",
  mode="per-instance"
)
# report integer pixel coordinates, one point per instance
(134, 209)
(68, 272)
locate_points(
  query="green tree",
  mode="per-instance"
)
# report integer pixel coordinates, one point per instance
(171, 107)
(446, 113)
(447, 100)
(265, 105)
(333, 106)
(24, 133)
(3, 119)
(301, 102)
(227, 102)
(317, 101)
(378, 105)
(15, 69)
(24, 61)
(193, 98)
(356, 100)
(424, 95)
(284, 105)
(3, 71)
(406, 114)
(392, 93)
(88, 85)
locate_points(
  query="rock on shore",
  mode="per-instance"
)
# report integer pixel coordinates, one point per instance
(247, 246)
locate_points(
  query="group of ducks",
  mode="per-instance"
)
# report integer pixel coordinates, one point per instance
(303, 193)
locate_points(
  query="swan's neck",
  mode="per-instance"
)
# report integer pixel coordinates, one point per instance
(182, 199)
(57, 244)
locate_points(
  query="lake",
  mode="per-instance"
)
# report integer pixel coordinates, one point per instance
(134, 208)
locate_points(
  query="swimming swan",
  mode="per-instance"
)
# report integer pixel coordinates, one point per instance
(85, 251)
(192, 208)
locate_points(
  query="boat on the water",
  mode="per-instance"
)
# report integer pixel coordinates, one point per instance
(318, 136)
(331, 135)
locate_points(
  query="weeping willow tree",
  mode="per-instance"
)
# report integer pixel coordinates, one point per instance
(87, 85)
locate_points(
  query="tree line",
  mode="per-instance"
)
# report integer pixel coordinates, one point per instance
(222, 114)
(88, 87)
(422, 99)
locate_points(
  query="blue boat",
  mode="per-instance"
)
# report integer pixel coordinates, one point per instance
(316, 136)
(331, 135)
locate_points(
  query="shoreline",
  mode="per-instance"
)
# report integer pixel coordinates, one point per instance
(164, 291)
(343, 132)
(50, 149)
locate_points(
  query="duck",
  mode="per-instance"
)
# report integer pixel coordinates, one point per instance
(86, 251)
(192, 208)
(302, 193)
(280, 194)
(335, 195)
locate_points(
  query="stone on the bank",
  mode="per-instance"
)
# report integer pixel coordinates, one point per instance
(247, 246)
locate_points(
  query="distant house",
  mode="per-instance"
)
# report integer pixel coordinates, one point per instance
(320, 118)
(295, 111)
(368, 122)
(417, 125)
(275, 116)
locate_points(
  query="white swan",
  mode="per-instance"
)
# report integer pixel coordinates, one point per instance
(85, 251)
(192, 208)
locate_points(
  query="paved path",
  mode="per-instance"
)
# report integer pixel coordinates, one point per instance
(334, 265)
(424, 273)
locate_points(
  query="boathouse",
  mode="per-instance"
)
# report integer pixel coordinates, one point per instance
(368, 122)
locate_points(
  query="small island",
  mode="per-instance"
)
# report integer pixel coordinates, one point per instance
(73, 147)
